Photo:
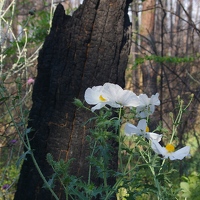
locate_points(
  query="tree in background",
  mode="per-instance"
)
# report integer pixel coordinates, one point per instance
(166, 59)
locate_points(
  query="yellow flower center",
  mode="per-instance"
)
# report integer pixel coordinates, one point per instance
(147, 129)
(170, 148)
(101, 98)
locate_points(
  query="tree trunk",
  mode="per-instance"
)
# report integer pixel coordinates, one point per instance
(149, 70)
(149, 73)
(86, 49)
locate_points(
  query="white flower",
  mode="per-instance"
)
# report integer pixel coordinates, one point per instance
(141, 129)
(110, 94)
(169, 151)
(147, 105)
(95, 96)
(119, 97)
(130, 129)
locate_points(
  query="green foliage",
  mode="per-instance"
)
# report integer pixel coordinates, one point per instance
(140, 175)
(100, 158)
(61, 168)
(22, 158)
(38, 26)
(20, 42)
(9, 175)
(74, 186)
(163, 59)
(190, 187)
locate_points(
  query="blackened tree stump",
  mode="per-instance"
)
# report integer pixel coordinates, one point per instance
(84, 50)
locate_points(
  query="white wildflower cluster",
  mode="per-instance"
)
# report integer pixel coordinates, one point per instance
(116, 97)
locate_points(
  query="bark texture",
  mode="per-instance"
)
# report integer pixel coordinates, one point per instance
(149, 72)
(89, 48)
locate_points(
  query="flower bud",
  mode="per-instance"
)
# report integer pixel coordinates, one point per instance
(78, 103)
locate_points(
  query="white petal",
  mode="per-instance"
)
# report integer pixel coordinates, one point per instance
(151, 109)
(144, 100)
(142, 124)
(130, 129)
(141, 112)
(158, 148)
(92, 95)
(180, 154)
(153, 136)
(98, 106)
(154, 100)
(129, 99)
(112, 90)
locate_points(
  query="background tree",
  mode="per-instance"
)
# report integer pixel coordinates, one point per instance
(167, 54)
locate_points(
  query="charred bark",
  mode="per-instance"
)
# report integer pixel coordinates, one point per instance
(89, 48)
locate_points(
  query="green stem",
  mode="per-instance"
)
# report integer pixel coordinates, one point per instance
(176, 121)
(28, 147)
(15, 125)
(151, 166)
(157, 184)
(128, 163)
(105, 181)
(90, 167)
(161, 167)
(120, 143)
(39, 170)
(117, 184)
(43, 178)
(120, 180)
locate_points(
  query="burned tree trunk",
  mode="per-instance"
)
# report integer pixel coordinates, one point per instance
(86, 49)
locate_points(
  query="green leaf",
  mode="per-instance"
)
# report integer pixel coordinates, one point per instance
(28, 130)
(22, 158)
(185, 189)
